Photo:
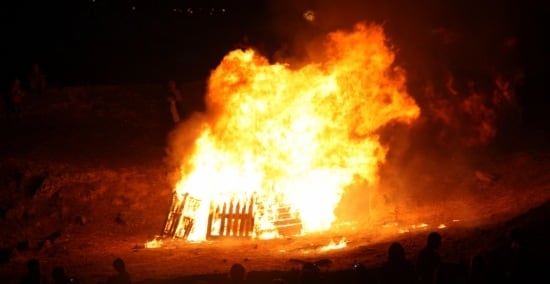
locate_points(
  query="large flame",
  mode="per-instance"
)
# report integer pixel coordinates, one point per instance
(296, 136)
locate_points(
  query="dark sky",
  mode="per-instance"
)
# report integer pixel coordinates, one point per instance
(122, 41)
(129, 41)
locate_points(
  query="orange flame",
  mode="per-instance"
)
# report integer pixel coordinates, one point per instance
(155, 243)
(296, 137)
(333, 245)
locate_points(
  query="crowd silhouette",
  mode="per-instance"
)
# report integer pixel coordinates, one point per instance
(34, 274)
(510, 263)
(14, 100)
(59, 276)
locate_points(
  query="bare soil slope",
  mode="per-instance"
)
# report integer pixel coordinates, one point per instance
(83, 181)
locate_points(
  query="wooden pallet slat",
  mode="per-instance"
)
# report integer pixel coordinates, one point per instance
(235, 219)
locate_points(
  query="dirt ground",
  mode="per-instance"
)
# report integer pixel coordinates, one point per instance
(84, 180)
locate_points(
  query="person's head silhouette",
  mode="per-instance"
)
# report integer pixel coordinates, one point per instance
(119, 265)
(237, 273)
(396, 252)
(434, 240)
(310, 273)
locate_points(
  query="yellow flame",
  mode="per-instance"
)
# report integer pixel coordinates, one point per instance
(295, 138)
(155, 243)
(420, 226)
(333, 245)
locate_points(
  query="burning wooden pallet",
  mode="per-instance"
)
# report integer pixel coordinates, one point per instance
(181, 216)
(282, 221)
(286, 223)
(233, 218)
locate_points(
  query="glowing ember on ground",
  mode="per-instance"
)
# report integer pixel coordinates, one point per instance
(423, 225)
(333, 245)
(156, 243)
(293, 138)
(411, 228)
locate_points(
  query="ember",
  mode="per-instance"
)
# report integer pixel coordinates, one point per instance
(293, 138)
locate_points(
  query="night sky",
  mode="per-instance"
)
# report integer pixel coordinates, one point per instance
(113, 41)
(145, 41)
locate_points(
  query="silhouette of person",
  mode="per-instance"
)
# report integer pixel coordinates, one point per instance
(359, 274)
(34, 276)
(174, 90)
(397, 269)
(310, 274)
(16, 95)
(60, 277)
(237, 274)
(176, 93)
(173, 109)
(478, 274)
(521, 265)
(121, 276)
(429, 260)
(37, 80)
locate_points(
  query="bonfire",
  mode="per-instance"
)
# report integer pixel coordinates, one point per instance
(278, 145)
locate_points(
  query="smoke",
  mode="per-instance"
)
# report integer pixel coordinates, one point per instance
(463, 60)
(464, 69)
(181, 144)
